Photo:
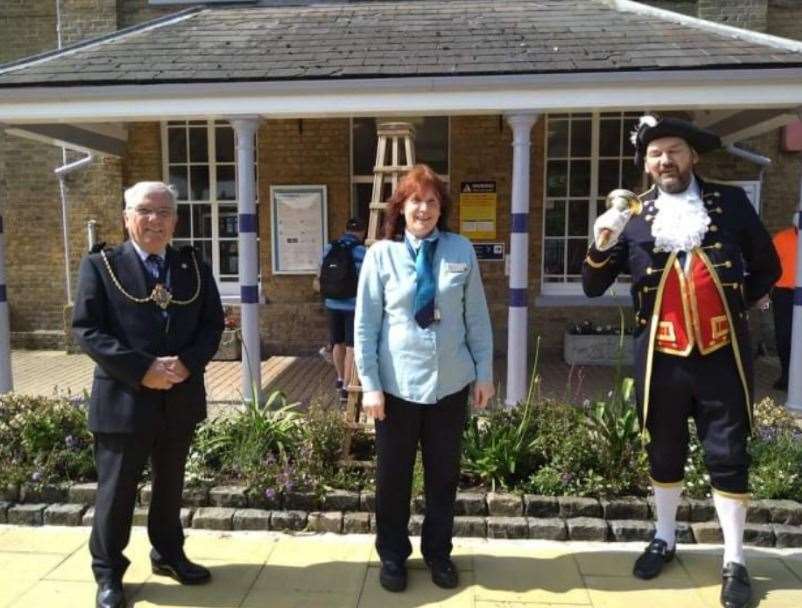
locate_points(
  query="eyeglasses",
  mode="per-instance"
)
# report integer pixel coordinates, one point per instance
(162, 212)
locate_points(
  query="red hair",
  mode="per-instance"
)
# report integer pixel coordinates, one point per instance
(420, 179)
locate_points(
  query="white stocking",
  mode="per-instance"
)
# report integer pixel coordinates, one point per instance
(666, 501)
(732, 518)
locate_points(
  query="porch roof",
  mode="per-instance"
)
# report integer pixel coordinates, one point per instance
(401, 39)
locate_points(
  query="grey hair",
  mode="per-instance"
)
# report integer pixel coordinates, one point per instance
(137, 193)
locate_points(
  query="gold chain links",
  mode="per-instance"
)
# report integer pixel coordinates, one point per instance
(159, 296)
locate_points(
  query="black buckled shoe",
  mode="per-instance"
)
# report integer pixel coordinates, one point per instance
(393, 576)
(110, 595)
(736, 589)
(653, 558)
(182, 570)
(444, 572)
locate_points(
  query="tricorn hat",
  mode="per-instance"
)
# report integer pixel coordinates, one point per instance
(651, 127)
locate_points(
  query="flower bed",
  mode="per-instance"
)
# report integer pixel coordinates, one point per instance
(543, 469)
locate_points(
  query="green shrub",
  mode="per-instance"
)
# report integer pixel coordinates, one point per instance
(255, 445)
(44, 440)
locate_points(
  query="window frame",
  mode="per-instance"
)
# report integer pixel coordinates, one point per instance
(566, 287)
(229, 289)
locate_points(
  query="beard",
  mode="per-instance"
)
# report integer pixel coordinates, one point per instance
(674, 183)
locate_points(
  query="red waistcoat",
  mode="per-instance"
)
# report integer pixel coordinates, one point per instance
(691, 311)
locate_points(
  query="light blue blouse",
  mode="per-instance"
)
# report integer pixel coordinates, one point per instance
(392, 352)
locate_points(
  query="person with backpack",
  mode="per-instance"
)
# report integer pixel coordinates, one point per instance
(338, 278)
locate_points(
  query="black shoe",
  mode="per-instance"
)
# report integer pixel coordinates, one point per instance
(343, 393)
(736, 590)
(651, 561)
(182, 570)
(444, 572)
(393, 576)
(110, 595)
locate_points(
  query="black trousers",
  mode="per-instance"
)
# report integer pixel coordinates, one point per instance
(783, 304)
(708, 389)
(120, 460)
(438, 428)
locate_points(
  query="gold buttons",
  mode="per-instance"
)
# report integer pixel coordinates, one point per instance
(713, 228)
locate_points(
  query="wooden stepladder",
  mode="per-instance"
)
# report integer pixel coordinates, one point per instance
(396, 140)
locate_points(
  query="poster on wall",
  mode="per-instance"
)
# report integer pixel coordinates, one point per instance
(298, 216)
(477, 210)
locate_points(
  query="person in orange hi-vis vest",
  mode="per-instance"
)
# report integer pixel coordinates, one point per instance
(783, 298)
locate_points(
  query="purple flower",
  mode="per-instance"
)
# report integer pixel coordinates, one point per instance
(270, 493)
(566, 478)
(71, 442)
(36, 476)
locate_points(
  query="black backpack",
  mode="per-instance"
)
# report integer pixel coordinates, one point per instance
(338, 276)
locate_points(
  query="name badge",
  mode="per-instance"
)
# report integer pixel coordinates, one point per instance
(456, 267)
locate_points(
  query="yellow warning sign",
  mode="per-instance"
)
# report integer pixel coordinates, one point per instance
(477, 208)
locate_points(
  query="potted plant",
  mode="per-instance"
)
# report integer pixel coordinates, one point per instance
(587, 343)
(230, 348)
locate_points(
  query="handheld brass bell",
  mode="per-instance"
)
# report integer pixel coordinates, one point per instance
(623, 200)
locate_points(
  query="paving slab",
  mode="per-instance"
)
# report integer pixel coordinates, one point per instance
(773, 584)
(519, 575)
(19, 572)
(229, 586)
(610, 591)
(57, 593)
(227, 546)
(420, 592)
(309, 565)
(43, 540)
(77, 567)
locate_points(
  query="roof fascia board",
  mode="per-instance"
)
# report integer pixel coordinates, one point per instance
(71, 137)
(629, 6)
(691, 90)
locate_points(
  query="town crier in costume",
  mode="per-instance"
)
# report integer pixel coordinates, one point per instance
(699, 257)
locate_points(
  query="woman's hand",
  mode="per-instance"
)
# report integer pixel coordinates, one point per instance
(482, 392)
(373, 404)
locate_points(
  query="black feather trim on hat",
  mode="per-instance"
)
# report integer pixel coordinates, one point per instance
(651, 128)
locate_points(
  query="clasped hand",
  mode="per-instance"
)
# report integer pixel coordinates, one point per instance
(165, 372)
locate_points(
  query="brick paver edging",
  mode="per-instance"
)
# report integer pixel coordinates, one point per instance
(771, 523)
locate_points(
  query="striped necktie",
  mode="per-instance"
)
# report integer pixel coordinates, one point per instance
(424, 284)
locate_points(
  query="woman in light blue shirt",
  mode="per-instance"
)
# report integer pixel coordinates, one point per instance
(421, 336)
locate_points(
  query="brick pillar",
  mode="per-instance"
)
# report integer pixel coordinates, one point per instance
(747, 14)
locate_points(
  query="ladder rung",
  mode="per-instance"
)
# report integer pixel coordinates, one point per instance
(392, 169)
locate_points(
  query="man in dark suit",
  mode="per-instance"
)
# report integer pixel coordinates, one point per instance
(699, 257)
(150, 316)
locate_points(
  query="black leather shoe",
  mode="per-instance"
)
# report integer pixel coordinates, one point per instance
(444, 572)
(182, 570)
(393, 576)
(653, 558)
(736, 589)
(110, 595)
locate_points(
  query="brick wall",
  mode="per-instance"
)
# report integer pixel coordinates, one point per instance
(785, 18)
(686, 7)
(132, 12)
(81, 19)
(749, 14)
(294, 152)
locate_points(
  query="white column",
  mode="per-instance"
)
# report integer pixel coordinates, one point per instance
(251, 373)
(517, 330)
(6, 382)
(795, 364)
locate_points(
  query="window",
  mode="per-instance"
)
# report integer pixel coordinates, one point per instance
(200, 161)
(587, 155)
(431, 145)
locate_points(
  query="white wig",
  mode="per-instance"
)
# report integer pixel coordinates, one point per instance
(137, 193)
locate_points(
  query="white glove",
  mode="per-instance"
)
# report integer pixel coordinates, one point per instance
(609, 226)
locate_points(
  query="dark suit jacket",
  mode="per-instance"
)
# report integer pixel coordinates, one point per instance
(124, 337)
(738, 251)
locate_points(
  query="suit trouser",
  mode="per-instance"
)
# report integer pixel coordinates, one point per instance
(783, 303)
(707, 388)
(438, 428)
(120, 459)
